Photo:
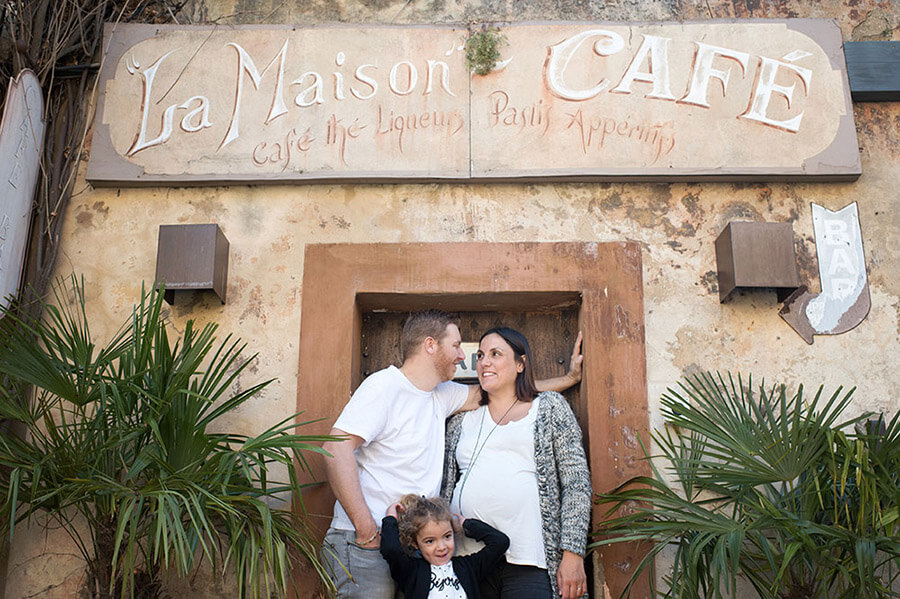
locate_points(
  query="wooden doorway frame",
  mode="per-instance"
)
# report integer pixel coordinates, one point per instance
(341, 280)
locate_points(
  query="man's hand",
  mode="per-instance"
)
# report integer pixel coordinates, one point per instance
(369, 539)
(344, 479)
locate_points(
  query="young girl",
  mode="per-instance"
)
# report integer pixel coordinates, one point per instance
(427, 525)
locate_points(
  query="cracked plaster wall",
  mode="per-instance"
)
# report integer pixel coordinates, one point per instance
(110, 237)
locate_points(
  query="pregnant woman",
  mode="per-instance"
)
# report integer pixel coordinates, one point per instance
(517, 463)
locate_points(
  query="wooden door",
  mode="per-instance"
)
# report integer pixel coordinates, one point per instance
(551, 335)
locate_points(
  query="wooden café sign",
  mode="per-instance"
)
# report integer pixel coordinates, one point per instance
(726, 100)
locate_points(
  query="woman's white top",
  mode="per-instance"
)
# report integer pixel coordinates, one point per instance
(498, 483)
(444, 583)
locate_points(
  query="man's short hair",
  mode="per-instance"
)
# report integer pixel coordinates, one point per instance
(419, 326)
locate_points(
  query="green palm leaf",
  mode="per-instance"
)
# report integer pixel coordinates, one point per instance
(117, 434)
(765, 486)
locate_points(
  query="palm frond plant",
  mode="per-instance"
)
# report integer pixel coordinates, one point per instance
(767, 488)
(119, 450)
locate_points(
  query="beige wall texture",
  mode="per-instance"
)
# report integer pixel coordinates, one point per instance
(110, 238)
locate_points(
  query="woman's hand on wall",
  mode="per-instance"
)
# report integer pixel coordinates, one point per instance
(575, 362)
(561, 383)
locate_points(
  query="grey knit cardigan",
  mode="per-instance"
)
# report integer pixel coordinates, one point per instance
(564, 484)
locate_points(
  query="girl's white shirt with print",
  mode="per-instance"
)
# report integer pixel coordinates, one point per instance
(444, 583)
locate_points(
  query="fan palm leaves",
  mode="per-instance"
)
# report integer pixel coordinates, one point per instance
(768, 487)
(119, 449)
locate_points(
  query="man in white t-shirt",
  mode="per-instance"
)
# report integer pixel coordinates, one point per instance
(394, 444)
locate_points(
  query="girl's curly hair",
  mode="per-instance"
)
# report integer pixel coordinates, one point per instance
(418, 511)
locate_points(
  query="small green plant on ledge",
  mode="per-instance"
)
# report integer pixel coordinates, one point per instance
(483, 49)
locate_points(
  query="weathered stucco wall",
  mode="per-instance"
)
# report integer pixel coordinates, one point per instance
(110, 237)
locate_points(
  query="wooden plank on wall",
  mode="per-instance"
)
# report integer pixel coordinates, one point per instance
(874, 71)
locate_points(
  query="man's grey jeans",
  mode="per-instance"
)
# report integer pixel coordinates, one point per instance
(357, 572)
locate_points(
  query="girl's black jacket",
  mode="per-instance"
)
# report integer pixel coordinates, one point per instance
(413, 574)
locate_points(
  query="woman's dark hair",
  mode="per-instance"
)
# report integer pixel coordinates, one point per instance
(525, 387)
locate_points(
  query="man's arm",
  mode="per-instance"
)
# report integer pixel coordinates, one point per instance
(472, 400)
(559, 383)
(344, 480)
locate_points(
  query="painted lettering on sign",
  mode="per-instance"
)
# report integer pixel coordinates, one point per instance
(654, 53)
(656, 100)
(844, 301)
(402, 79)
(535, 115)
(279, 151)
(658, 139)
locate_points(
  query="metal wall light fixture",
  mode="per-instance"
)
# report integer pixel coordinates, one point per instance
(192, 258)
(756, 255)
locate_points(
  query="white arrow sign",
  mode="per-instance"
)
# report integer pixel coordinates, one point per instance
(844, 300)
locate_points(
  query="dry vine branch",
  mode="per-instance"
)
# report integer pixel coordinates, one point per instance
(60, 40)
